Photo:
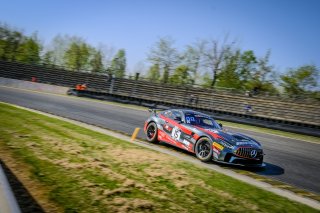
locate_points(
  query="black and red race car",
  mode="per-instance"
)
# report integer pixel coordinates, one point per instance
(200, 134)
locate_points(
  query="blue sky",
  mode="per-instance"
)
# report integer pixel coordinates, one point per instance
(289, 28)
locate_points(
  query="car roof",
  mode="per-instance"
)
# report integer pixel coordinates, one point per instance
(184, 111)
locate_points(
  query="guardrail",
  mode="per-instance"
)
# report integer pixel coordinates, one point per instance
(285, 111)
(8, 203)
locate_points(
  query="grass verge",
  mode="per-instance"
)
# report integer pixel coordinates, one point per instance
(84, 171)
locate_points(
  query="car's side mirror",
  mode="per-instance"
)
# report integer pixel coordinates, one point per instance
(220, 124)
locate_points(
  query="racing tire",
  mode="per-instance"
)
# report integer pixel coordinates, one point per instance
(204, 150)
(152, 132)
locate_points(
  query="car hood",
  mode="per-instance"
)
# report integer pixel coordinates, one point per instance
(233, 138)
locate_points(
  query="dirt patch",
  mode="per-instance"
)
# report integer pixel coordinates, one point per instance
(134, 155)
(122, 205)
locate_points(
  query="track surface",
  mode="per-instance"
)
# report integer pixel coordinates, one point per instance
(291, 161)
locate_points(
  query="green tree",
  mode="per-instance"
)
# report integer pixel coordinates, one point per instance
(164, 54)
(206, 80)
(154, 73)
(29, 51)
(14, 46)
(229, 75)
(261, 76)
(166, 74)
(301, 80)
(47, 58)
(57, 49)
(214, 54)
(118, 64)
(96, 61)
(247, 65)
(10, 40)
(192, 58)
(77, 56)
(181, 76)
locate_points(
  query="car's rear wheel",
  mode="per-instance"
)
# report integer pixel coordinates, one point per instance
(152, 132)
(203, 149)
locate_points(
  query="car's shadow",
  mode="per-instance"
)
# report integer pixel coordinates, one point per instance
(268, 170)
(271, 169)
(169, 146)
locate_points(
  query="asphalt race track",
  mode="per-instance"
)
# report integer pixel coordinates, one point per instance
(288, 160)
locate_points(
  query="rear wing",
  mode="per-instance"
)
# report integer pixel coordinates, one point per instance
(155, 110)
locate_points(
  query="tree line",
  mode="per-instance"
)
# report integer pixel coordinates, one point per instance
(206, 63)
(214, 63)
(70, 52)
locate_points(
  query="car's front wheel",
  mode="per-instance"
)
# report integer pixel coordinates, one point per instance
(152, 132)
(203, 149)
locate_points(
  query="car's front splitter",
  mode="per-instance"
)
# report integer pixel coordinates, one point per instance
(262, 165)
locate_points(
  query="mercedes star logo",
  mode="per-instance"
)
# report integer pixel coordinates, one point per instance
(253, 153)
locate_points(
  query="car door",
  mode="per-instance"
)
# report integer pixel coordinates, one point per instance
(170, 126)
(185, 140)
(177, 132)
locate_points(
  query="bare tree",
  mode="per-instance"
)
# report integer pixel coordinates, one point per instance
(214, 54)
(192, 58)
(108, 53)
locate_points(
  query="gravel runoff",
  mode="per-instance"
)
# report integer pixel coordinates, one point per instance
(281, 192)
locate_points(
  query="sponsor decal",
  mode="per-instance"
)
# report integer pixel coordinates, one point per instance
(217, 146)
(167, 127)
(189, 119)
(187, 136)
(245, 143)
(175, 133)
(215, 155)
(216, 151)
(213, 130)
(185, 142)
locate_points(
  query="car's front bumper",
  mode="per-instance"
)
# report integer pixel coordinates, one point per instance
(231, 156)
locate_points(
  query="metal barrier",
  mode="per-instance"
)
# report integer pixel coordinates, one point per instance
(8, 203)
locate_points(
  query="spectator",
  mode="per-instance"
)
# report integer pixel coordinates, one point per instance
(191, 99)
(255, 91)
(78, 87)
(81, 86)
(248, 93)
(248, 108)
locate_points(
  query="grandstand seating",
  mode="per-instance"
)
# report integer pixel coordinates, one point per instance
(283, 110)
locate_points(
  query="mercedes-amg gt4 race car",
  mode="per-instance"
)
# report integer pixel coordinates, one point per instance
(200, 134)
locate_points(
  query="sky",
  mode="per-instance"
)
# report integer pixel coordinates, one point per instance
(290, 29)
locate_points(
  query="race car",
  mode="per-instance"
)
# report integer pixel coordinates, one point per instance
(199, 133)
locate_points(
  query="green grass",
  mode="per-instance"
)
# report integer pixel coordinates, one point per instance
(86, 171)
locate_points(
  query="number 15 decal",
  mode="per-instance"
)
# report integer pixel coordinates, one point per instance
(175, 133)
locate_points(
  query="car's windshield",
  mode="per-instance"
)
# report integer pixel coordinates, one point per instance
(201, 120)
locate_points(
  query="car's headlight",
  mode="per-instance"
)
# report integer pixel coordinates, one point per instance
(225, 143)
